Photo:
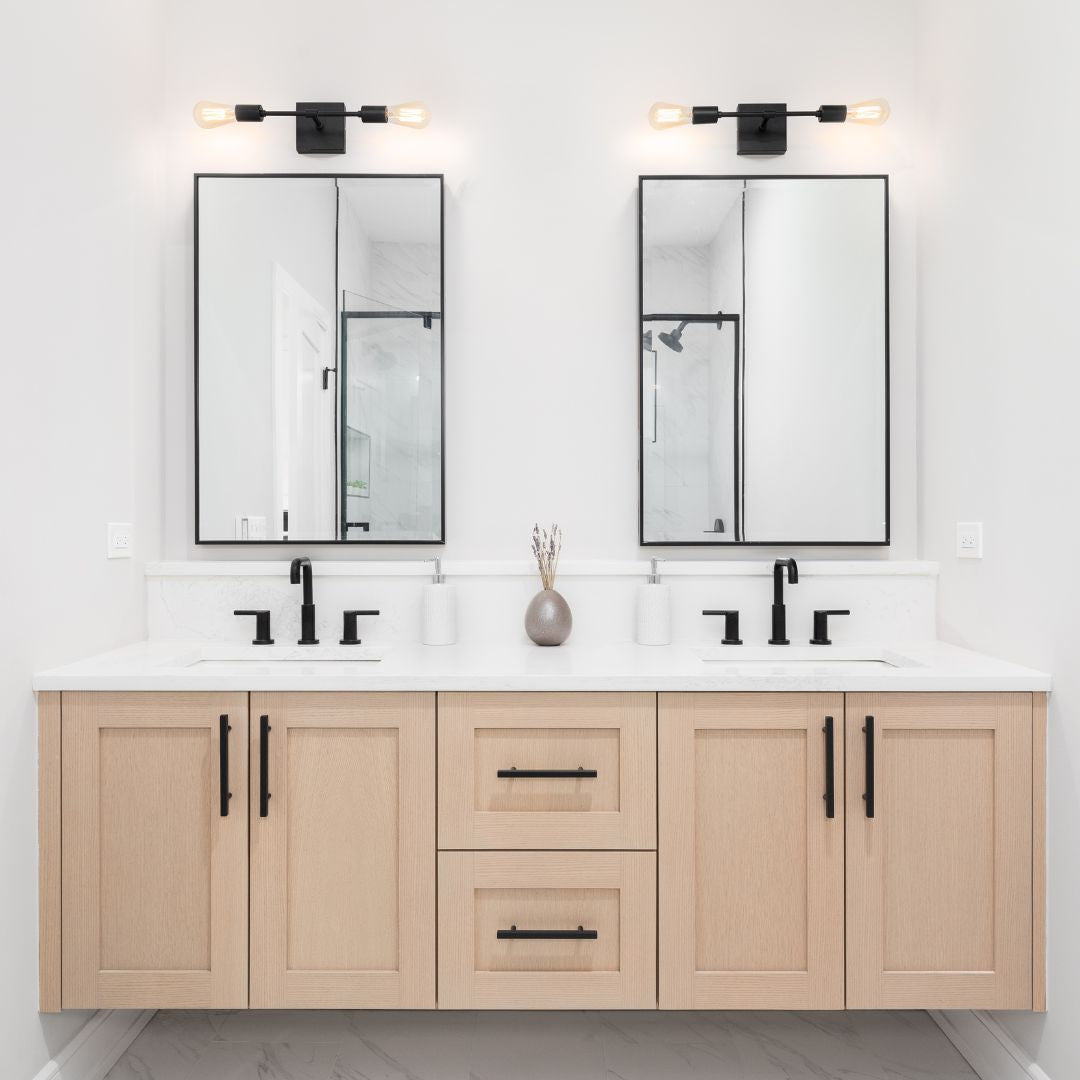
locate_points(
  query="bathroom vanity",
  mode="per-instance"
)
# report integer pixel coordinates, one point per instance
(469, 828)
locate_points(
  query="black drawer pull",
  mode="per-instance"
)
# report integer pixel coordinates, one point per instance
(580, 934)
(868, 795)
(580, 773)
(830, 765)
(223, 760)
(264, 766)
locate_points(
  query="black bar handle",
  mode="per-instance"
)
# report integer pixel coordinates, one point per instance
(580, 773)
(830, 767)
(223, 760)
(264, 766)
(580, 934)
(868, 795)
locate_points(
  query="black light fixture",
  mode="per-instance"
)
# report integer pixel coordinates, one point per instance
(762, 129)
(320, 125)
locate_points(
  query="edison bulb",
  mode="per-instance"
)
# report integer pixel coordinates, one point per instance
(212, 114)
(412, 114)
(664, 115)
(868, 112)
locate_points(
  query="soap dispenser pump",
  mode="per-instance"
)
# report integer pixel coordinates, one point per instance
(654, 610)
(439, 616)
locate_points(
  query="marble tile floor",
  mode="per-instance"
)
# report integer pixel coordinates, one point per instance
(328, 1045)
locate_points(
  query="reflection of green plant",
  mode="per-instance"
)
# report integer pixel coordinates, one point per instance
(360, 485)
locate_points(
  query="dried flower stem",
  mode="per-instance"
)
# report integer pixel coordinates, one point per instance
(546, 547)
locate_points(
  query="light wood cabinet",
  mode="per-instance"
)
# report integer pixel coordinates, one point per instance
(343, 851)
(154, 852)
(751, 852)
(939, 851)
(547, 770)
(720, 850)
(547, 930)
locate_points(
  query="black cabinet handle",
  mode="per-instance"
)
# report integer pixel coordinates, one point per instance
(264, 766)
(223, 760)
(580, 773)
(868, 795)
(579, 934)
(830, 767)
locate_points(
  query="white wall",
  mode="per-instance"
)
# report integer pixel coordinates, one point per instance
(999, 370)
(540, 127)
(80, 410)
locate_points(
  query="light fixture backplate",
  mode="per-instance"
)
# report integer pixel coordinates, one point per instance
(331, 140)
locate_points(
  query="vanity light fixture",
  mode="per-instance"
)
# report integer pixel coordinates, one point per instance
(762, 129)
(320, 125)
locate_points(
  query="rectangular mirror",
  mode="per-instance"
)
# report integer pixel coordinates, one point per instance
(764, 360)
(319, 359)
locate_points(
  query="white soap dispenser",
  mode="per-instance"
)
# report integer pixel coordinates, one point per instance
(654, 611)
(439, 615)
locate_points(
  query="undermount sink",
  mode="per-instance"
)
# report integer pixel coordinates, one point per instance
(806, 659)
(214, 659)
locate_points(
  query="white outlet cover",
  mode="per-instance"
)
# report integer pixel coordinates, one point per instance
(969, 540)
(119, 540)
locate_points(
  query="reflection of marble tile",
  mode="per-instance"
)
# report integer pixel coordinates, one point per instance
(263, 1061)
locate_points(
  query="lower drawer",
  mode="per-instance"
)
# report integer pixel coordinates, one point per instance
(547, 930)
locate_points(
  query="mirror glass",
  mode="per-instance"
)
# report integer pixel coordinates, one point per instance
(319, 360)
(764, 360)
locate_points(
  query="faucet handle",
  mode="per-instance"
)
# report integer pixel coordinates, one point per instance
(348, 630)
(262, 627)
(731, 625)
(821, 626)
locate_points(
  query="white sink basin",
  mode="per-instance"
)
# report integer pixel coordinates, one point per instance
(803, 659)
(264, 659)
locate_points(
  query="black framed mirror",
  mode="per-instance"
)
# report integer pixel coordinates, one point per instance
(764, 360)
(319, 359)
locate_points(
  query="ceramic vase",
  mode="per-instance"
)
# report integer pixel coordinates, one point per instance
(547, 618)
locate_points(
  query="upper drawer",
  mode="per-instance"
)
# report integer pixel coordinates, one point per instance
(492, 745)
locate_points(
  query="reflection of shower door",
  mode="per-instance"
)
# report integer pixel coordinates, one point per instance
(390, 376)
(303, 414)
(692, 452)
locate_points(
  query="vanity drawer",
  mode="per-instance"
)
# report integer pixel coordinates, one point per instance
(547, 930)
(509, 770)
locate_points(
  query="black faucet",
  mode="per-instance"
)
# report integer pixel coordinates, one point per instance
(307, 605)
(779, 612)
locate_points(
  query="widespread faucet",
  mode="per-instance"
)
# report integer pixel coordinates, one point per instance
(307, 606)
(779, 612)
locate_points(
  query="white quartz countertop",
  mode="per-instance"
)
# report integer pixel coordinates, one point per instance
(186, 665)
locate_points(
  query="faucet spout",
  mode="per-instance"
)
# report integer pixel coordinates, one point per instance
(779, 611)
(300, 573)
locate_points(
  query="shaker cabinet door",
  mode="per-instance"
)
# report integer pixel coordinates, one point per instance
(155, 871)
(343, 850)
(751, 851)
(939, 851)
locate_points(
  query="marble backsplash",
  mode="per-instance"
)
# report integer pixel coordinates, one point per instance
(890, 601)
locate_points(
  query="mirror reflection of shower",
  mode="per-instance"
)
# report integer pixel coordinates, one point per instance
(703, 451)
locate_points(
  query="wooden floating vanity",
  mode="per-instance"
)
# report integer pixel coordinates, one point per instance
(542, 850)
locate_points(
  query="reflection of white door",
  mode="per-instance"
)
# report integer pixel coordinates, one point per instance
(303, 427)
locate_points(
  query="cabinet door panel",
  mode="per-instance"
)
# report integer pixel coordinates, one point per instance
(343, 863)
(751, 868)
(939, 878)
(155, 878)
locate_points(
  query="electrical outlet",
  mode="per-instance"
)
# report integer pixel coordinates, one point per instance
(119, 540)
(969, 540)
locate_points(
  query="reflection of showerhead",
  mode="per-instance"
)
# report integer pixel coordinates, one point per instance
(673, 339)
(646, 340)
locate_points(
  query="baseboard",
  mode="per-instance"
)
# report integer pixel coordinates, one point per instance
(987, 1046)
(97, 1047)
